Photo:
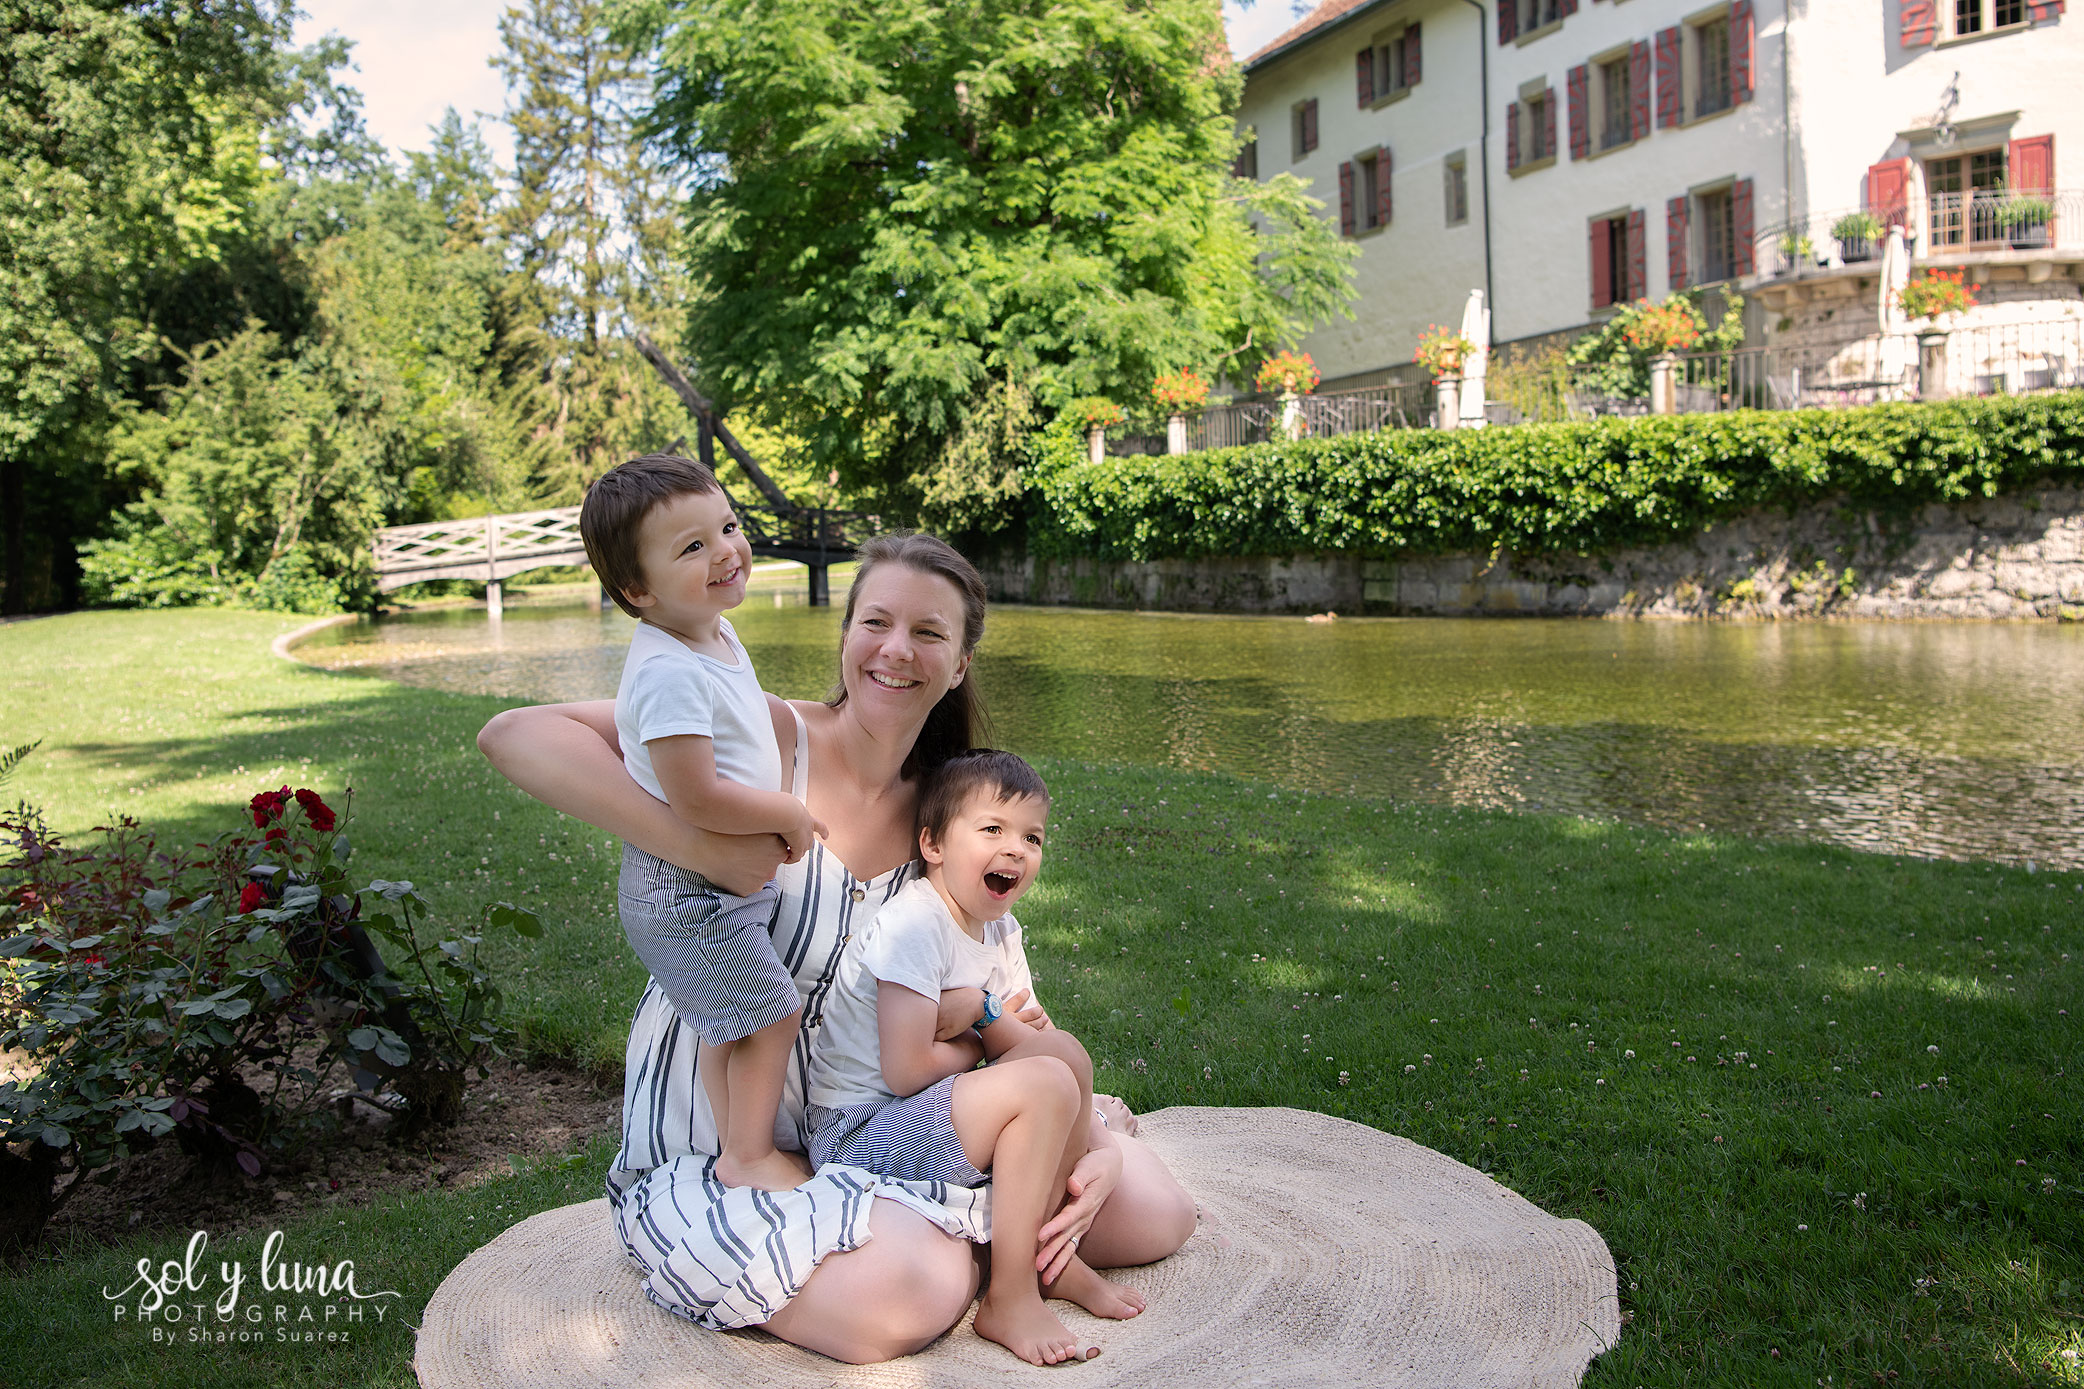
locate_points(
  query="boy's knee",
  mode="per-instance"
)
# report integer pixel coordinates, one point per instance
(1062, 1046)
(1050, 1079)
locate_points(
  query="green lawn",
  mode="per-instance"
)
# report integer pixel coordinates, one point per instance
(1718, 1052)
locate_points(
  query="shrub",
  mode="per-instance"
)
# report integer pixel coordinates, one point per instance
(216, 993)
(1568, 488)
(1614, 358)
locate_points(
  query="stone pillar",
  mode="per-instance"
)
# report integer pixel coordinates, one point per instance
(493, 595)
(1447, 402)
(1664, 395)
(1096, 443)
(1291, 415)
(820, 587)
(1932, 365)
(1176, 434)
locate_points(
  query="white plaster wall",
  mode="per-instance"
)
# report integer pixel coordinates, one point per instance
(1858, 90)
(1418, 270)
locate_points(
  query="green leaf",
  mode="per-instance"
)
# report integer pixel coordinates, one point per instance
(362, 1039)
(18, 945)
(523, 921)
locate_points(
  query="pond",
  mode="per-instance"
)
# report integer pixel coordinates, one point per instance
(1957, 740)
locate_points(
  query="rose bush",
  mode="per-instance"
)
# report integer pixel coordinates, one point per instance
(222, 993)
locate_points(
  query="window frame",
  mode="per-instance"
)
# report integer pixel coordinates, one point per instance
(1697, 233)
(1388, 56)
(1455, 187)
(1623, 58)
(1367, 192)
(1616, 224)
(1297, 123)
(1987, 20)
(1694, 68)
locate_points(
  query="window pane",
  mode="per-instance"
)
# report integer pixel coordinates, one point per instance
(2009, 12)
(1718, 236)
(1711, 42)
(1968, 16)
(1615, 129)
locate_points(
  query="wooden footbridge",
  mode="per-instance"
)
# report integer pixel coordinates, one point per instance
(492, 549)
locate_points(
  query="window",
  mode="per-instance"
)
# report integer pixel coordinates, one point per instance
(1711, 54)
(1303, 127)
(1367, 192)
(1535, 14)
(1530, 129)
(1535, 128)
(1718, 237)
(1247, 162)
(1615, 104)
(1964, 191)
(1456, 167)
(1610, 278)
(1389, 68)
(1983, 16)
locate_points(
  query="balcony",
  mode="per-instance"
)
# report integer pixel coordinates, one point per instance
(1946, 230)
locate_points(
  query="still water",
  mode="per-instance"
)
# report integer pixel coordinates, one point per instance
(1959, 740)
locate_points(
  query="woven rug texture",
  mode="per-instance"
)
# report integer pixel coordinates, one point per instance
(1328, 1255)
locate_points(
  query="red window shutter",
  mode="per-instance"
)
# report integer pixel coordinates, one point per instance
(1638, 264)
(1743, 49)
(1888, 191)
(1668, 105)
(2030, 165)
(1548, 124)
(1309, 124)
(1568, 7)
(1512, 136)
(1364, 76)
(1602, 263)
(1675, 241)
(1918, 25)
(1508, 20)
(1346, 198)
(1745, 230)
(1413, 68)
(2044, 10)
(1578, 83)
(1383, 164)
(1639, 91)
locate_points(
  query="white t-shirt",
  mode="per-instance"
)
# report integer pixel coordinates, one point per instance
(668, 690)
(913, 941)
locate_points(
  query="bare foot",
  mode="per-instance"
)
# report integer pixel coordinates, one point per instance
(777, 1171)
(1027, 1328)
(1079, 1284)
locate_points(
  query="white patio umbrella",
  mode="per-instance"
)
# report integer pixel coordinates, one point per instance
(1476, 327)
(1896, 351)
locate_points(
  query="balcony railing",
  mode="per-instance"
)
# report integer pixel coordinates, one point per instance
(1393, 406)
(1941, 227)
(2004, 359)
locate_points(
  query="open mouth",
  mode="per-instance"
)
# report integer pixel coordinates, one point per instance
(731, 578)
(999, 884)
(892, 682)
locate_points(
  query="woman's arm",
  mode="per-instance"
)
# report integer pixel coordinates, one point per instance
(566, 756)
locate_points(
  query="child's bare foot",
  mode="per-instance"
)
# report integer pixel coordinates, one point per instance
(1079, 1284)
(777, 1171)
(1027, 1328)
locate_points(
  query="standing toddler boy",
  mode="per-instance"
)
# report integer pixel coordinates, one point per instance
(696, 733)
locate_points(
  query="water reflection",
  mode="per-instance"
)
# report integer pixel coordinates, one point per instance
(1947, 739)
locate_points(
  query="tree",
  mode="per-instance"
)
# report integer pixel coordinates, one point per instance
(129, 147)
(914, 223)
(591, 226)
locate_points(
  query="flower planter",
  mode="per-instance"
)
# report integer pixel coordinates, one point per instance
(1852, 250)
(2028, 236)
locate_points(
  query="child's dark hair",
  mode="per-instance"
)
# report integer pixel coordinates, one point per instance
(1005, 775)
(615, 507)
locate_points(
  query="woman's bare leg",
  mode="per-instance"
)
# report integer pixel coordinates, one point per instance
(891, 1297)
(1148, 1217)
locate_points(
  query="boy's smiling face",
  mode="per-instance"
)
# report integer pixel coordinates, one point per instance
(988, 857)
(694, 558)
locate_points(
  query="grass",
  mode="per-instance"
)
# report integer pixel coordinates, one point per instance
(1716, 1051)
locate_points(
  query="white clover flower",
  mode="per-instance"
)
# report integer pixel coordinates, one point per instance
(1628, 1055)
(1933, 1050)
(1409, 1069)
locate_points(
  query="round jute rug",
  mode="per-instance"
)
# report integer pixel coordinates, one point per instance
(1328, 1254)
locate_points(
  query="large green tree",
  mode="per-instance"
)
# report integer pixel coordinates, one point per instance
(916, 224)
(129, 148)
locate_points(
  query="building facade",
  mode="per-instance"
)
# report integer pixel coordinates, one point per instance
(1569, 156)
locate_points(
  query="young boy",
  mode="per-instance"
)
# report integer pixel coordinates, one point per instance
(696, 733)
(884, 1094)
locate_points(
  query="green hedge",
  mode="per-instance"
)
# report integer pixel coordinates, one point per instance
(1574, 488)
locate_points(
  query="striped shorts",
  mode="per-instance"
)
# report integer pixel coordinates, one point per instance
(708, 949)
(912, 1139)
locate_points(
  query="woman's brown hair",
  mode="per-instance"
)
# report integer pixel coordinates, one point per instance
(958, 722)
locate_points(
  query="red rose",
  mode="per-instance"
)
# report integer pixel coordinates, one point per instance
(316, 811)
(252, 898)
(276, 834)
(268, 806)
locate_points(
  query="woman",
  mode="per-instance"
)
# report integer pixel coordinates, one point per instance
(885, 1276)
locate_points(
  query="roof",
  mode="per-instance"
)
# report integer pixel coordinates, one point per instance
(1323, 17)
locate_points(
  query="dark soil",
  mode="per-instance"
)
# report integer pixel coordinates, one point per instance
(519, 1111)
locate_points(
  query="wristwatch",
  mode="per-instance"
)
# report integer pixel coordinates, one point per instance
(993, 1009)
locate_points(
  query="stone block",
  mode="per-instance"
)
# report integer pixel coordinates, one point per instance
(2026, 580)
(1956, 583)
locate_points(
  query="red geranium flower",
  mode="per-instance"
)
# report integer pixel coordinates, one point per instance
(252, 898)
(316, 811)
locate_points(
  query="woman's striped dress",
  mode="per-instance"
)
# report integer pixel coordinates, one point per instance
(733, 1257)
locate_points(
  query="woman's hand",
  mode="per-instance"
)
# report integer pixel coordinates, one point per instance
(1119, 1117)
(1092, 1182)
(961, 1010)
(1019, 1006)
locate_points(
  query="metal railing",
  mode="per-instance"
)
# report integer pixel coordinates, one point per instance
(2002, 359)
(1941, 227)
(2016, 358)
(1394, 406)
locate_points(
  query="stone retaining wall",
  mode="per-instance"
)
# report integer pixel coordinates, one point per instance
(2019, 556)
